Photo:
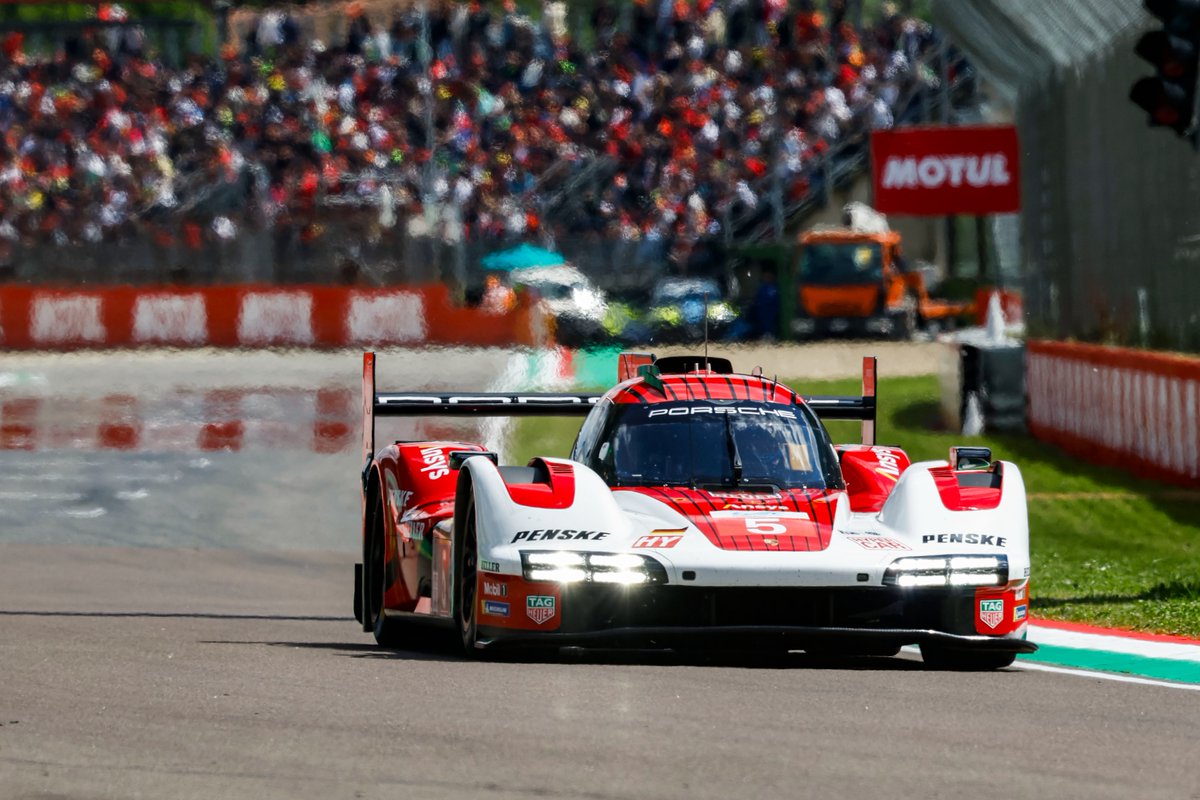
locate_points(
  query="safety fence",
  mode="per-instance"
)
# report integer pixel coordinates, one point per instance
(1120, 407)
(344, 250)
(257, 316)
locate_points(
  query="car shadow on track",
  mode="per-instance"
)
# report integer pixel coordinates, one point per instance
(355, 649)
(447, 651)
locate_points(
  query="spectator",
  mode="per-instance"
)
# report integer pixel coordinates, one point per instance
(691, 109)
(764, 311)
(498, 297)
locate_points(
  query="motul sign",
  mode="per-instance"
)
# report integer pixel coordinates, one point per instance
(946, 170)
(936, 172)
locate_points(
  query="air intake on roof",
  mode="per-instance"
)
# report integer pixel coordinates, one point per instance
(678, 365)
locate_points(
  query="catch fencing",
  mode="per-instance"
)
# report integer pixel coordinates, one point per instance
(349, 250)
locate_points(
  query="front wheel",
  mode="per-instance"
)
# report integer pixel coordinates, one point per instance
(387, 633)
(940, 657)
(466, 580)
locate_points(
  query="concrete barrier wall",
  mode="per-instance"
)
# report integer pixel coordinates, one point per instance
(1120, 407)
(37, 318)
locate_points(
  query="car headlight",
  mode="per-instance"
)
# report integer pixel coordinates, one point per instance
(880, 325)
(588, 303)
(617, 316)
(970, 570)
(568, 566)
(720, 312)
(666, 315)
(803, 325)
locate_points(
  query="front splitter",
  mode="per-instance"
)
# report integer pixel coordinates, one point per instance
(751, 637)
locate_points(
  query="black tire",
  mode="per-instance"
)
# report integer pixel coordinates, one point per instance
(939, 657)
(387, 632)
(466, 574)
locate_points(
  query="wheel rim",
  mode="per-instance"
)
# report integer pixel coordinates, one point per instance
(467, 581)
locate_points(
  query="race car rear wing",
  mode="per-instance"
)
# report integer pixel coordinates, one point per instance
(563, 404)
(462, 404)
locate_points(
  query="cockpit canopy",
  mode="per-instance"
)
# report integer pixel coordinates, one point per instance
(724, 444)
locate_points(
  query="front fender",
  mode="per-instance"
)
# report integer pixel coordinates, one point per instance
(504, 524)
(916, 513)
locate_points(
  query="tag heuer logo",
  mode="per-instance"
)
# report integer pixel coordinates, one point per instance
(539, 607)
(991, 612)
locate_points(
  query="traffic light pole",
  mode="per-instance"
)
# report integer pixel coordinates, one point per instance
(1171, 97)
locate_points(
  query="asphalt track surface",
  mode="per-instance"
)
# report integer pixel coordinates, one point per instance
(154, 646)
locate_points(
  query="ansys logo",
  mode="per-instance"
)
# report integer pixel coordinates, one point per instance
(539, 607)
(991, 612)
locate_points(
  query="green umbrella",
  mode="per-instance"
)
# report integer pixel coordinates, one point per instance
(522, 256)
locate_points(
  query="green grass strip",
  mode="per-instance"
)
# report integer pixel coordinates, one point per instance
(1167, 669)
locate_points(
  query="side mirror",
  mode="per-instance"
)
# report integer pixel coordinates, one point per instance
(970, 458)
(457, 457)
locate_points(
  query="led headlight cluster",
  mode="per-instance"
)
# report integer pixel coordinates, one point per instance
(947, 571)
(568, 566)
(721, 312)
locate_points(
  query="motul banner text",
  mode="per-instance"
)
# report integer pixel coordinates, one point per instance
(946, 170)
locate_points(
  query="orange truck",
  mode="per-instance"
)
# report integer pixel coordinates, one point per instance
(851, 281)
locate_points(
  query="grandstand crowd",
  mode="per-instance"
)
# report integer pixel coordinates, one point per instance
(683, 108)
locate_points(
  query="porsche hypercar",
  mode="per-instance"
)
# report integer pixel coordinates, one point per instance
(699, 509)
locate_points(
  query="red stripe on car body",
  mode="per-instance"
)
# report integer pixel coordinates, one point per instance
(558, 493)
(956, 497)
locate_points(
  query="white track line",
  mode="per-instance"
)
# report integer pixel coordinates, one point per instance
(1084, 673)
(1106, 676)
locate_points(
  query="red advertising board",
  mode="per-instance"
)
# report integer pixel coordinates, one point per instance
(932, 171)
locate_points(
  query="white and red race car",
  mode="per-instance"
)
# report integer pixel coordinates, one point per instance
(699, 508)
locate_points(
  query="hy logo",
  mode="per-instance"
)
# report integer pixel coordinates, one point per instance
(658, 540)
(539, 607)
(991, 612)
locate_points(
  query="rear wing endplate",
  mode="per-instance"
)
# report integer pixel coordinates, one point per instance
(861, 408)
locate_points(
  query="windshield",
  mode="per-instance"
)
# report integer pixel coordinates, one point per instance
(678, 291)
(554, 291)
(705, 443)
(842, 263)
